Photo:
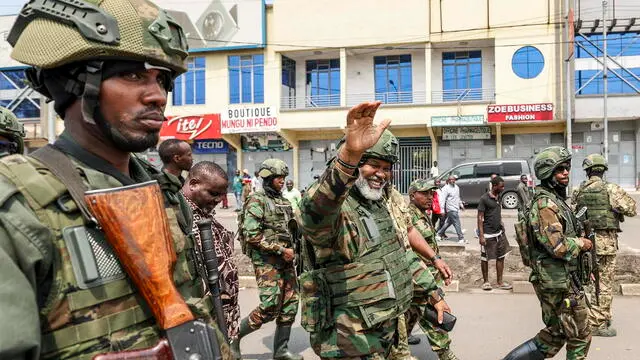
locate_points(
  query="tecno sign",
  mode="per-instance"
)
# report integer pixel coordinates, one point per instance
(520, 112)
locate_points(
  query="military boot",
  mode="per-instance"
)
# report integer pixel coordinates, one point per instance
(245, 329)
(527, 351)
(605, 331)
(446, 355)
(281, 344)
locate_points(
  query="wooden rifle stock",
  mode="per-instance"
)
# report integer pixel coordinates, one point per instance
(135, 223)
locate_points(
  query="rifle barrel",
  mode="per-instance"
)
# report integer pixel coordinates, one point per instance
(213, 276)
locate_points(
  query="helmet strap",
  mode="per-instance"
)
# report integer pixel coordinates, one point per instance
(91, 95)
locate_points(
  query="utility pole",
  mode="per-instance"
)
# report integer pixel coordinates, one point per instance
(604, 79)
(567, 65)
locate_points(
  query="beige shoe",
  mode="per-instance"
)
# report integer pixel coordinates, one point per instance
(447, 355)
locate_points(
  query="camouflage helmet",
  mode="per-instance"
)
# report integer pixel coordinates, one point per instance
(387, 148)
(422, 185)
(595, 160)
(548, 159)
(12, 129)
(273, 167)
(50, 34)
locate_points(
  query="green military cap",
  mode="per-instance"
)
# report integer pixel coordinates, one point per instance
(422, 185)
(12, 129)
(275, 167)
(50, 34)
(595, 160)
(548, 159)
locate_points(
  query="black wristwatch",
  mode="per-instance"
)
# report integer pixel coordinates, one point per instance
(436, 257)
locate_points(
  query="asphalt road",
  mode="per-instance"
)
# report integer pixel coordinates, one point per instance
(488, 327)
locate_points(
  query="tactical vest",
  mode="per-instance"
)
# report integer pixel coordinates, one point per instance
(553, 273)
(378, 280)
(594, 195)
(75, 320)
(277, 213)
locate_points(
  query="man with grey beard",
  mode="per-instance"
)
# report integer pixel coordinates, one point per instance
(362, 236)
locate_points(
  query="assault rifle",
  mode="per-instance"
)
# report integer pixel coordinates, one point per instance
(588, 261)
(135, 223)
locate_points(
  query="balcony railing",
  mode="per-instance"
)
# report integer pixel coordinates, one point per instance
(310, 102)
(401, 97)
(462, 95)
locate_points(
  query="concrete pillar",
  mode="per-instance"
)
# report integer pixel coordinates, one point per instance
(235, 141)
(498, 141)
(427, 72)
(292, 139)
(343, 78)
(434, 144)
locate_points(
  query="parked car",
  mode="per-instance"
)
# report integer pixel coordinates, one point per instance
(474, 177)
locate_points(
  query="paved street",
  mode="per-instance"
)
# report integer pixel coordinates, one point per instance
(488, 327)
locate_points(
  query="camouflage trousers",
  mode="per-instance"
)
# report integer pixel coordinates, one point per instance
(349, 339)
(564, 324)
(278, 288)
(600, 315)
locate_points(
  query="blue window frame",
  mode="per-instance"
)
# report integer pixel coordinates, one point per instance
(323, 82)
(12, 79)
(462, 75)
(615, 85)
(26, 109)
(189, 88)
(527, 62)
(246, 79)
(393, 81)
(618, 44)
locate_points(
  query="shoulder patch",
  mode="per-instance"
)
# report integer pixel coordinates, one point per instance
(39, 186)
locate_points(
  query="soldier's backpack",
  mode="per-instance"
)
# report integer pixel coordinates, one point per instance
(524, 235)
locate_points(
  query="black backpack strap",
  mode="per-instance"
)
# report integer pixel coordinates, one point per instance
(63, 168)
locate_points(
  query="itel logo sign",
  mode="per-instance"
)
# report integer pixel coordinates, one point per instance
(192, 127)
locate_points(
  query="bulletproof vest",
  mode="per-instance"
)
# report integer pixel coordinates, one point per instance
(594, 195)
(378, 280)
(277, 213)
(542, 260)
(77, 317)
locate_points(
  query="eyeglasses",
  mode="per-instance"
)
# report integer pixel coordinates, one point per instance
(562, 168)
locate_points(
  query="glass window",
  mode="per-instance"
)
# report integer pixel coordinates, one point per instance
(463, 172)
(462, 75)
(12, 79)
(511, 169)
(393, 79)
(246, 79)
(189, 88)
(618, 44)
(323, 83)
(485, 170)
(615, 85)
(27, 109)
(527, 62)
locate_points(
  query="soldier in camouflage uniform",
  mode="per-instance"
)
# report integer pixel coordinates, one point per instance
(354, 299)
(108, 66)
(555, 247)
(266, 219)
(421, 197)
(607, 205)
(11, 133)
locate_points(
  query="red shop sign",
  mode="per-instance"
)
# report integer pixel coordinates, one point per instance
(192, 127)
(519, 112)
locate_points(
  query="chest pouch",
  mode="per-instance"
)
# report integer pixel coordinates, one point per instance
(93, 260)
